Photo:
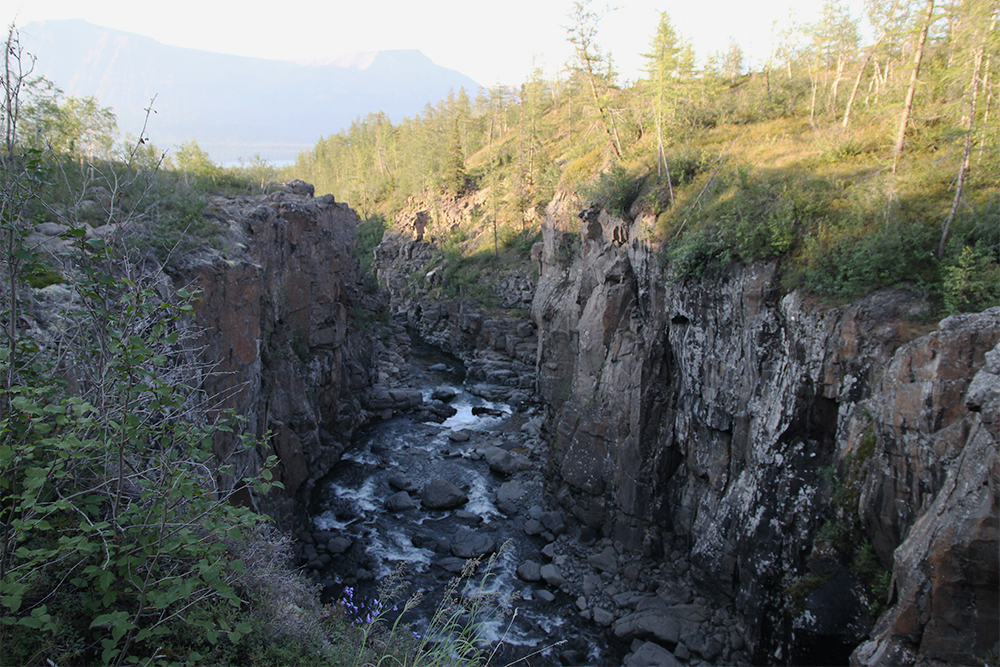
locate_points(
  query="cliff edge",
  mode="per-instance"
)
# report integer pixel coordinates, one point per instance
(802, 453)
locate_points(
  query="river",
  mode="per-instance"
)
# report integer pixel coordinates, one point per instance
(401, 453)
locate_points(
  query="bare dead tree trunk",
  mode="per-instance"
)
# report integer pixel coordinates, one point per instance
(970, 119)
(989, 96)
(812, 102)
(871, 53)
(912, 89)
(831, 103)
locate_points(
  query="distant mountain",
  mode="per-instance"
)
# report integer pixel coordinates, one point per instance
(233, 105)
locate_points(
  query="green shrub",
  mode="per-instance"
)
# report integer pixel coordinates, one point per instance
(615, 190)
(696, 254)
(973, 282)
(848, 265)
(41, 276)
(369, 235)
(519, 242)
(116, 547)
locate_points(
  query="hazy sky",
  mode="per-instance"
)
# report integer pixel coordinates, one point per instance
(492, 41)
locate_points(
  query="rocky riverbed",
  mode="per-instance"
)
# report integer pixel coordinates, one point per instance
(429, 496)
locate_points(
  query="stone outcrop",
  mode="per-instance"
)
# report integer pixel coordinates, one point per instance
(752, 425)
(498, 350)
(276, 309)
(947, 588)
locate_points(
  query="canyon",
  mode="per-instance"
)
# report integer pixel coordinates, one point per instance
(830, 473)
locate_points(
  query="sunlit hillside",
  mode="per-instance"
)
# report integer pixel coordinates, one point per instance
(857, 164)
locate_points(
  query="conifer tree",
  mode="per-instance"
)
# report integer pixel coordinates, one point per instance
(454, 172)
(669, 60)
(592, 63)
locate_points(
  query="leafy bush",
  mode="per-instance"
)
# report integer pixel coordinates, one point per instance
(615, 190)
(369, 235)
(850, 264)
(178, 224)
(519, 242)
(973, 282)
(116, 539)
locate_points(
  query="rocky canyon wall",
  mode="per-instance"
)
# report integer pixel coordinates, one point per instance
(276, 311)
(497, 347)
(799, 450)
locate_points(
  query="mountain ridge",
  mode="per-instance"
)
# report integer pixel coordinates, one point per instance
(234, 106)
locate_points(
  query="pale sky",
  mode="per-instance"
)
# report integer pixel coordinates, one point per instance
(491, 41)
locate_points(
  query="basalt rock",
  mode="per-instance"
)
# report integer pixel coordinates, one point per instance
(746, 422)
(440, 494)
(276, 310)
(498, 351)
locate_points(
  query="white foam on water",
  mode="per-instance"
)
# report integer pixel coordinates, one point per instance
(362, 457)
(464, 419)
(499, 585)
(328, 521)
(395, 547)
(362, 499)
(480, 500)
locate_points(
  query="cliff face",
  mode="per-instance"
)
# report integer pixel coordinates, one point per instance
(498, 350)
(777, 438)
(275, 310)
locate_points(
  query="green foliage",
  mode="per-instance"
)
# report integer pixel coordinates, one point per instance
(519, 243)
(73, 126)
(454, 177)
(114, 539)
(369, 235)
(192, 160)
(470, 277)
(764, 164)
(615, 190)
(178, 225)
(848, 264)
(842, 531)
(973, 282)
(568, 248)
(42, 276)
(117, 544)
(870, 572)
(745, 217)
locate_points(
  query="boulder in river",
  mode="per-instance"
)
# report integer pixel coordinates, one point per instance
(444, 393)
(510, 493)
(440, 494)
(451, 564)
(399, 502)
(552, 576)
(470, 544)
(651, 654)
(650, 624)
(403, 483)
(529, 571)
(436, 411)
(339, 544)
(503, 462)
